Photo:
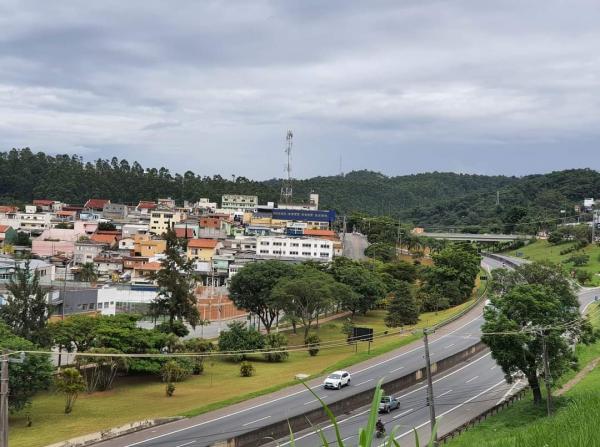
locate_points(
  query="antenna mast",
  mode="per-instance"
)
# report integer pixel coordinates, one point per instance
(286, 188)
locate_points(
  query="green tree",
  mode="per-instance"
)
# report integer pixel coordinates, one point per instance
(31, 376)
(88, 272)
(100, 371)
(276, 342)
(579, 259)
(400, 271)
(69, 382)
(251, 288)
(22, 239)
(402, 308)
(533, 300)
(26, 309)
(176, 282)
(238, 337)
(452, 277)
(382, 251)
(171, 372)
(76, 332)
(106, 226)
(367, 284)
(305, 295)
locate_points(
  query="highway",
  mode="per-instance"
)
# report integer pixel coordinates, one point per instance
(473, 386)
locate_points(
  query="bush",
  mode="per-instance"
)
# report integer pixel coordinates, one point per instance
(198, 345)
(312, 342)
(583, 276)
(176, 370)
(178, 328)
(239, 338)
(578, 260)
(247, 369)
(276, 342)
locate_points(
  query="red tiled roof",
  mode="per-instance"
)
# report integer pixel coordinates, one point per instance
(202, 243)
(72, 208)
(322, 233)
(104, 238)
(4, 228)
(8, 209)
(65, 213)
(96, 204)
(154, 266)
(43, 202)
(146, 205)
(181, 232)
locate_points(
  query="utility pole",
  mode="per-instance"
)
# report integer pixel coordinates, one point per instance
(430, 402)
(4, 401)
(399, 240)
(547, 375)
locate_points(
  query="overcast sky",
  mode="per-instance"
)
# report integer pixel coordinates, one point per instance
(401, 86)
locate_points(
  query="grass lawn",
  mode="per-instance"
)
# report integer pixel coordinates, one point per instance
(543, 251)
(524, 424)
(138, 398)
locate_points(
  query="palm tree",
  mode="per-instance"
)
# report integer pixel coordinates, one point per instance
(88, 272)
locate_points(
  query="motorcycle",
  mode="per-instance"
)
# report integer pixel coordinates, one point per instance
(380, 431)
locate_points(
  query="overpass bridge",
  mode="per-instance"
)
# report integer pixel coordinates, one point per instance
(470, 237)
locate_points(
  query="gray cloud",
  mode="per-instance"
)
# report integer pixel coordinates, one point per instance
(493, 87)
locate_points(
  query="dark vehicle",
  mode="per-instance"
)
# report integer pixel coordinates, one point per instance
(388, 404)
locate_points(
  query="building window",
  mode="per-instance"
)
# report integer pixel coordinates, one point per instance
(306, 253)
(264, 243)
(293, 253)
(324, 255)
(264, 252)
(276, 252)
(294, 244)
(306, 245)
(324, 246)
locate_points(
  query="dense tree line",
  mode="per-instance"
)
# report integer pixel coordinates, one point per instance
(430, 199)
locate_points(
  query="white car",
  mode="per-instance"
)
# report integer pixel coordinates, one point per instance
(337, 380)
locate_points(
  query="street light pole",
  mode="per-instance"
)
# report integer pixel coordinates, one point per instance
(4, 401)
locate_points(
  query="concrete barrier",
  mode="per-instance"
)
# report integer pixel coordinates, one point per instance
(303, 421)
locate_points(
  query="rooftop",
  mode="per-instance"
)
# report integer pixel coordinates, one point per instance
(202, 243)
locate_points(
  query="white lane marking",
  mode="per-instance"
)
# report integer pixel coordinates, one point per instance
(187, 443)
(493, 367)
(402, 414)
(450, 410)
(399, 397)
(200, 424)
(443, 394)
(418, 348)
(366, 381)
(314, 400)
(449, 346)
(397, 369)
(326, 427)
(509, 392)
(253, 422)
(471, 379)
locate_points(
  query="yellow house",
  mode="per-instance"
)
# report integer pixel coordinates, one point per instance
(144, 245)
(202, 249)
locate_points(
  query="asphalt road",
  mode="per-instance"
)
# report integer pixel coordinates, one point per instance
(472, 387)
(355, 245)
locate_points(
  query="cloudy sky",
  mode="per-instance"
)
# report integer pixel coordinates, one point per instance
(509, 87)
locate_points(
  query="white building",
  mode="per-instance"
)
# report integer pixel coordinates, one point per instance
(28, 222)
(239, 202)
(113, 300)
(295, 247)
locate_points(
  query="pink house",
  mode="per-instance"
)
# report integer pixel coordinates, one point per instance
(55, 241)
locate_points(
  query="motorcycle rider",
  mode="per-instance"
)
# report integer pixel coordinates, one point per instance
(379, 426)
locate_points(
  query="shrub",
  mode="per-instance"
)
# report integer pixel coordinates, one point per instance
(240, 338)
(583, 276)
(579, 260)
(312, 342)
(198, 345)
(175, 370)
(276, 342)
(70, 382)
(178, 328)
(247, 369)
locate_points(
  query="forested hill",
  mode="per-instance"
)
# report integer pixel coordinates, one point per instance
(428, 199)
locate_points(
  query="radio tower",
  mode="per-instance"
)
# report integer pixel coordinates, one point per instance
(286, 187)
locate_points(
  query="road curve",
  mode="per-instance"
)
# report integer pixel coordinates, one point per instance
(219, 425)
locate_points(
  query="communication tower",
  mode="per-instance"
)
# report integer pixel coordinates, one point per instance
(286, 187)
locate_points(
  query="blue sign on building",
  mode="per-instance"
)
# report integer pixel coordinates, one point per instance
(304, 215)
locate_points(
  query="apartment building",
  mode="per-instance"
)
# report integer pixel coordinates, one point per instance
(295, 247)
(162, 219)
(239, 202)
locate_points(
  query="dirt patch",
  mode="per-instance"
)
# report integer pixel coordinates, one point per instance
(580, 375)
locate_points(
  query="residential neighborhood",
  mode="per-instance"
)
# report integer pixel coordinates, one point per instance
(123, 246)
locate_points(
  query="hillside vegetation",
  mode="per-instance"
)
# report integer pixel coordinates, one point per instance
(429, 199)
